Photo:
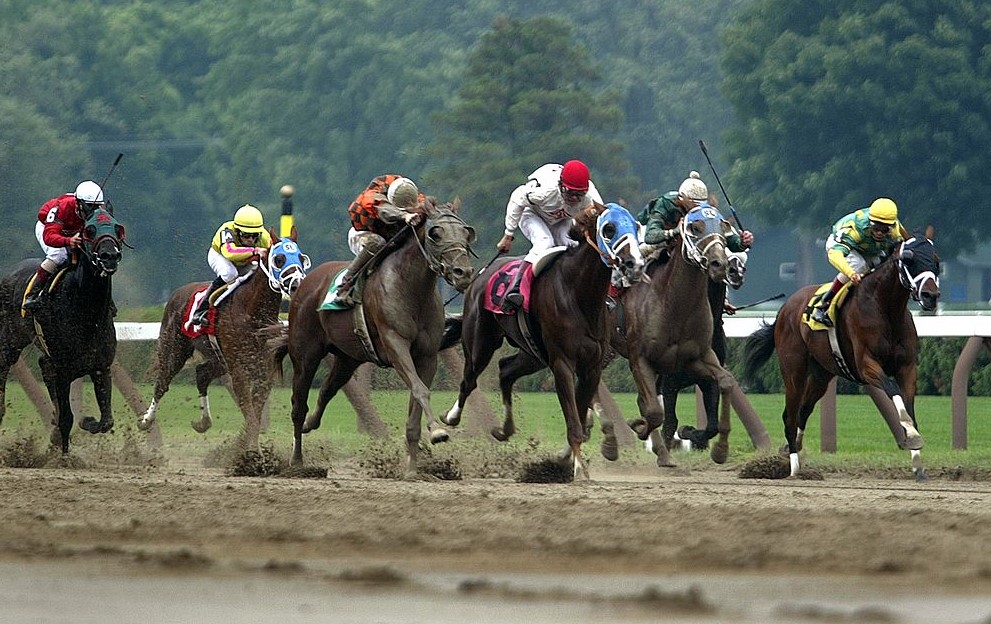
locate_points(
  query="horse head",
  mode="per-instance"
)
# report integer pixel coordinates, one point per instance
(703, 240)
(102, 236)
(447, 243)
(287, 265)
(736, 268)
(618, 242)
(918, 270)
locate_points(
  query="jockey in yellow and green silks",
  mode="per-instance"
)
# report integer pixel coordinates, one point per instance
(858, 243)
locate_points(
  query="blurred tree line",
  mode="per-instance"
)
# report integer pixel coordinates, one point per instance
(809, 109)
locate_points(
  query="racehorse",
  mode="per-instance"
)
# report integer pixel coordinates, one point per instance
(399, 322)
(74, 326)
(238, 344)
(875, 339)
(669, 327)
(567, 323)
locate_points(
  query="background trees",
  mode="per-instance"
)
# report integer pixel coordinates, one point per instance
(215, 104)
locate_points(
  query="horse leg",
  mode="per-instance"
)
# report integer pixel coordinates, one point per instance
(802, 392)
(172, 356)
(426, 368)
(206, 372)
(651, 410)
(479, 346)
(242, 387)
(342, 369)
(564, 382)
(304, 368)
(902, 393)
(397, 349)
(102, 389)
(63, 412)
(8, 357)
(511, 368)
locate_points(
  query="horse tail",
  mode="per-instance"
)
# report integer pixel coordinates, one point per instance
(758, 349)
(278, 349)
(452, 331)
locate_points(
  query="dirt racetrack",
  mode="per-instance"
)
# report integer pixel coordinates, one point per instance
(160, 544)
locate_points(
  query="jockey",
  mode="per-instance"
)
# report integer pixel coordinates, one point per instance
(59, 229)
(387, 204)
(236, 243)
(661, 217)
(543, 209)
(858, 243)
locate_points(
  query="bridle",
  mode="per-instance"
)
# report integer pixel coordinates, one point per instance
(914, 283)
(435, 251)
(285, 279)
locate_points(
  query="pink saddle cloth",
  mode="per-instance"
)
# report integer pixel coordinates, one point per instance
(499, 283)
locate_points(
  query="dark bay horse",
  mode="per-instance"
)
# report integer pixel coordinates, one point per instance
(74, 328)
(401, 313)
(876, 339)
(567, 318)
(239, 345)
(669, 329)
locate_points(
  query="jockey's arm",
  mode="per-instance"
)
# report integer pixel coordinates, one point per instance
(837, 257)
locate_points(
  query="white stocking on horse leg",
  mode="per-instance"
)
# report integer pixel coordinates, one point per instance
(146, 420)
(913, 439)
(206, 420)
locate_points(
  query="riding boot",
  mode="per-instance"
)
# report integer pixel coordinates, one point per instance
(346, 294)
(820, 315)
(38, 292)
(513, 299)
(203, 309)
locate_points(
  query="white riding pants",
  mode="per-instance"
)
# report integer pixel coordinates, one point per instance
(223, 267)
(543, 235)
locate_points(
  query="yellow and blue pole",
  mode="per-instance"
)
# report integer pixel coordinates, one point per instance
(286, 221)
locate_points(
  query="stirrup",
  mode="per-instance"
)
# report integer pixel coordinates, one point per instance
(512, 301)
(820, 315)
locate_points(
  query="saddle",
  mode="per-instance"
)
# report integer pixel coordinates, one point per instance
(218, 297)
(834, 306)
(53, 281)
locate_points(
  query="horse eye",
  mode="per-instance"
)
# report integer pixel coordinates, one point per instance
(279, 261)
(608, 231)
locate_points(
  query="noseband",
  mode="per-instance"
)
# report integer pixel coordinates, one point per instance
(435, 251)
(914, 283)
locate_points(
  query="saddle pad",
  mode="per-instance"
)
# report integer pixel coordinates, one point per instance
(195, 331)
(834, 306)
(330, 298)
(499, 283)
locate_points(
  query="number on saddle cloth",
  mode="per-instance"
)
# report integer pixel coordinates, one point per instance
(499, 284)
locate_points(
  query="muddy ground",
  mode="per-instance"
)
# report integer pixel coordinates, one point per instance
(159, 543)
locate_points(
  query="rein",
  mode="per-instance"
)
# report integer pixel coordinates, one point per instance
(435, 261)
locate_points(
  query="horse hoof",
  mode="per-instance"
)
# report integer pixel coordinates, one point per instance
(610, 449)
(439, 436)
(200, 426)
(920, 475)
(639, 427)
(452, 418)
(310, 424)
(914, 443)
(95, 426)
(499, 434)
(144, 425)
(720, 452)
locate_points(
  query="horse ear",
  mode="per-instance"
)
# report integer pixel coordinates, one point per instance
(931, 232)
(293, 233)
(713, 201)
(430, 207)
(456, 205)
(271, 232)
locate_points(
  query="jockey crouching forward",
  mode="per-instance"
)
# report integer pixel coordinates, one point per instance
(59, 229)
(237, 243)
(858, 243)
(543, 208)
(661, 218)
(387, 204)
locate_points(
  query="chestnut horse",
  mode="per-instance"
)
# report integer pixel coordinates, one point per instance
(74, 328)
(567, 318)
(401, 314)
(239, 345)
(875, 335)
(669, 328)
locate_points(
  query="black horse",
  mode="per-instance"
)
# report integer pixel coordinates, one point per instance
(73, 328)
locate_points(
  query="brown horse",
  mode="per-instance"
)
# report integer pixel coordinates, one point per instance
(669, 329)
(401, 314)
(239, 344)
(875, 336)
(567, 320)
(74, 328)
